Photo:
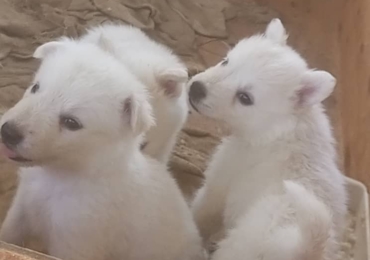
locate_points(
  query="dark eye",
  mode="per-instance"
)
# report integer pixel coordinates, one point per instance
(244, 98)
(35, 88)
(70, 123)
(225, 61)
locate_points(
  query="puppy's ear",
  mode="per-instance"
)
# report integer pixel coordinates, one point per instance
(275, 31)
(47, 48)
(171, 81)
(315, 87)
(138, 112)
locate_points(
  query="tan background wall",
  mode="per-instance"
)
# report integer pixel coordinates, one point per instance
(355, 88)
(334, 35)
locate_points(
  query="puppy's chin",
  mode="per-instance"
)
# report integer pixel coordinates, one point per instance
(22, 161)
(27, 164)
(16, 157)
(39, 162)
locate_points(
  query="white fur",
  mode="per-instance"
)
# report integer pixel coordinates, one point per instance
(160, 71)
(280, 228)
(91, 194)
(275, 31)
(283, 135)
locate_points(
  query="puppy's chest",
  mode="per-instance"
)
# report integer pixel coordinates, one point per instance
(253, 166)
(256, 173)
(39, 202)
(52, 206)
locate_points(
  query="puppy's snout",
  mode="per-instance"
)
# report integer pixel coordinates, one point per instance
(10, 134)
(197, 91)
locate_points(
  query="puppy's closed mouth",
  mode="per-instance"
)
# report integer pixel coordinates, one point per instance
(19, 159)
(9, 153)
(193, 105)
(143, 145)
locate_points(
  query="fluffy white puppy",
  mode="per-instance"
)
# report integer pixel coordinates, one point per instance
(271, 100)
(86, 191)
(292, 226)
(163, 74)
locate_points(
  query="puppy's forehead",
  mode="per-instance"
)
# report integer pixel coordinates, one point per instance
(83, 71)
(259, 56)
(258, 44)
(256, 50)
(71, 82)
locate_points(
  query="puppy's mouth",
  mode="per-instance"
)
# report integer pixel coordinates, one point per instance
(20, 159)
(143, 145)
(12, 155)
(193, 105)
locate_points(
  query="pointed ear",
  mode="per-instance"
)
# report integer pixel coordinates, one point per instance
(47, 48)
(315, 87)
(105, 44)
(171, 81)
(275, 31)
(138, 111)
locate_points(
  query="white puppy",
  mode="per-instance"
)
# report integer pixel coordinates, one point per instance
(163, 74)
(87, 191)
(271, 100)
(293, 226)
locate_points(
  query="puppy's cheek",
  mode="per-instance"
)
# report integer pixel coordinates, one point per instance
(34, 147)
(207, 112)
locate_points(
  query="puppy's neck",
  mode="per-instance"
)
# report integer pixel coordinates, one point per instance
(306, 126)
(111, 159)
(264, 137)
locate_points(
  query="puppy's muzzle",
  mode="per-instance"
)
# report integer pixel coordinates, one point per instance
(197, 91)
(11, 135)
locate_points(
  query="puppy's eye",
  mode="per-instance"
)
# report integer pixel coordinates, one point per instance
(244, 98)
(224, 62)
(70, 123)
(35, 88)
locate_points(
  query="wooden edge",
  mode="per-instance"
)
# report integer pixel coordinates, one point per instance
(11, 252)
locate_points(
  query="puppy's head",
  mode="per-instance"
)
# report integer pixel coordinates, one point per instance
(81, 101)
(261, 84)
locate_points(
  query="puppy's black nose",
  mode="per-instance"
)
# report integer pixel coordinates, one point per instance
(197, 91)
(10, 134)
